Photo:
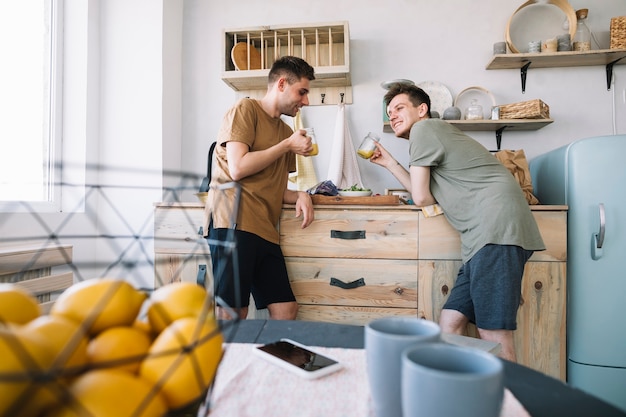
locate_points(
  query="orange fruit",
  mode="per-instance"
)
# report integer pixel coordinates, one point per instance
(177, 300)
(66, 337)
(100, 303)
(121, 347)
(183, 360)
(110, 393)
(26, 360)
(17, 305)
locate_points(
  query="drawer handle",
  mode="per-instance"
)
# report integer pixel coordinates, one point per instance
(353, 234)
(201, 277)
(347, 285)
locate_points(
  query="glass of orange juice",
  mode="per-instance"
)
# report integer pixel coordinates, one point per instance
(368, 146)
(310, 132)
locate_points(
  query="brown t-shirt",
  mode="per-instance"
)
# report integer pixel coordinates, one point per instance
(262, 193)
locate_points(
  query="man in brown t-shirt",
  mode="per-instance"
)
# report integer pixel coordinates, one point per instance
(257, 149)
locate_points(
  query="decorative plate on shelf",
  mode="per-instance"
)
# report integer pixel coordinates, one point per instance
(482, 97)
(440, 96)
(538, 20)
(387, 84)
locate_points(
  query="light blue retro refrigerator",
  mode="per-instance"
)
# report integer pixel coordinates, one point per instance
(589, 175)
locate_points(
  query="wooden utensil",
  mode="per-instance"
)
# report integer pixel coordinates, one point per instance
(239, 55)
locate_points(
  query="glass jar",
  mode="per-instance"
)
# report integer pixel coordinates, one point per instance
(368, 146)
(474, 111)
(310, 132)
(582, 38)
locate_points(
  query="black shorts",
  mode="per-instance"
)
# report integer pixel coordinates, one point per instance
(488, 287)
(261, 269)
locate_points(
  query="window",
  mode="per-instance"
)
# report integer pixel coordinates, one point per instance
(30, 104)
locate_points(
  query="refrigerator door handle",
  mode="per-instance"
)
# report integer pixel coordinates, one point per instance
(597, 240)
(600, 234)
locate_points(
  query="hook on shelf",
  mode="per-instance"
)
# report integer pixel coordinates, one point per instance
(323, 97)
(341, 95)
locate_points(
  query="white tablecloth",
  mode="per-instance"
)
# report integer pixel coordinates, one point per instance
(248, 386)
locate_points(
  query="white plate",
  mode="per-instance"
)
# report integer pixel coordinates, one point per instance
(482, 97)
(440, 96)
(387, 84)
(535, 21)
(355, 193)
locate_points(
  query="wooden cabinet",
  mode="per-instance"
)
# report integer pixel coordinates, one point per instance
(180, 251)
(352, 265)
(357, 263)
(408, 265)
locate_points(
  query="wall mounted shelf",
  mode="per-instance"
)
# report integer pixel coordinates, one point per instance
(324, 46)
(497, 126)
(606, 57)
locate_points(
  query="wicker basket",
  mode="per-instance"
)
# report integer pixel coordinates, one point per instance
(532, 109)
(618, 32)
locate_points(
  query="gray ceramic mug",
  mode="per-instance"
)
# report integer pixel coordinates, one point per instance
(385, 340)
(442, 380)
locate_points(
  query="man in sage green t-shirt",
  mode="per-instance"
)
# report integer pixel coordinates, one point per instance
(454, 174)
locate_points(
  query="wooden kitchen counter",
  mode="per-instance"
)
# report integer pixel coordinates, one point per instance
(355, 263)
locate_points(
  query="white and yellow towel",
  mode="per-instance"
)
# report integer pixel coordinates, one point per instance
(305, 176)
(343, 168)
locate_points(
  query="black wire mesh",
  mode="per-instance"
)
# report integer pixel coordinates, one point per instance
(125, 249)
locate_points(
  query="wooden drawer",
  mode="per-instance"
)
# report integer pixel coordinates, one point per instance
(351, 234)
(177, 267)
(349, 315)
(385, 283)
(438, 240)
(177, 229)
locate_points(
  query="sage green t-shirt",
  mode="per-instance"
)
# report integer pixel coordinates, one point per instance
(479, 196)
(261, 199)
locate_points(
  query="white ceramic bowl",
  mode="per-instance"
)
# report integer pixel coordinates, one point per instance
(355, 193)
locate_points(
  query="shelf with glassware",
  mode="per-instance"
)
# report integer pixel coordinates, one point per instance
(497, 126)
(523, 61)
(250, 52)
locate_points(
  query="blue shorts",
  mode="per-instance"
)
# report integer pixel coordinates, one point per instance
(488, 287)
(261, 269)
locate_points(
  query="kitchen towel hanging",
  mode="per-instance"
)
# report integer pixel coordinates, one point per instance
(343, 168)
(305, 176)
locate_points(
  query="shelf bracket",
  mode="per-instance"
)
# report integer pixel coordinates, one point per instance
(523, 73)
(499, 137)
(609, 73)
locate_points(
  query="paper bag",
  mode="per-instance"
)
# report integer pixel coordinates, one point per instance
(516, 163)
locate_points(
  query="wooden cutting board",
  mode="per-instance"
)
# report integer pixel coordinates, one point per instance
(374, 200)
(239, 55)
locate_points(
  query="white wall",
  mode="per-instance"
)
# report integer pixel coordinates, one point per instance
(122, 112)
(449, 42)
(149, 98)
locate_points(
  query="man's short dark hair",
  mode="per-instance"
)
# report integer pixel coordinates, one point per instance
(416, 95)
(292, 68)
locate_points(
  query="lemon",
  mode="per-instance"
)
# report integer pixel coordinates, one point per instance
(26, 360)
(110, 393)
(121, 347)
(17, 305)
(183, 359)
(174, 301)
(100, 303)
(66, 337)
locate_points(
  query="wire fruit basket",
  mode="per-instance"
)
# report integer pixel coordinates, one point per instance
(108, 348)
